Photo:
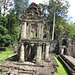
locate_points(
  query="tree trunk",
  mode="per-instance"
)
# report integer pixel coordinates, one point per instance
(53, 27)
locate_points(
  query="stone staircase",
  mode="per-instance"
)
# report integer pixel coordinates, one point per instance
(30, 68)
(69, 62)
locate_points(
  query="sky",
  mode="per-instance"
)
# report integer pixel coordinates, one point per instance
(71, 10)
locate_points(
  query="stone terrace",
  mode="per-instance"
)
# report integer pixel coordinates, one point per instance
(30, 68)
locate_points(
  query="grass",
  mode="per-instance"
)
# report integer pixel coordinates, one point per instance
(5, 55)
(61, 69)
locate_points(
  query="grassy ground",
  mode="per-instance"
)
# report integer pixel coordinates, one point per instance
(5, 55)
(61, 69)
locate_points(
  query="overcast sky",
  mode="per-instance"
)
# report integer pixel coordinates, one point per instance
(71, 10)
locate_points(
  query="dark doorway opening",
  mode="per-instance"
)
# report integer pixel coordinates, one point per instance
(64, 42)
(65, 51)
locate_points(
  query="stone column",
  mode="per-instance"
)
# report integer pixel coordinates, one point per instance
(62, 51)
(23, 30)
(42, 31)
(39, 31)
(22, 53)
(43, 50)
(47, 35)
(38, 55)
(30, 49)
(69, 49)
(29, 30)
(47, 51)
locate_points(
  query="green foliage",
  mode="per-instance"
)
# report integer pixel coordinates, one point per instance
(6, 54)
(5, 38)
(60, 9)
(9, 29)
(3, 21)
(61, 26)
(10, 23)
(71, 31)
(61, 69)
(0, 10)
(15, 35)
(20, 5)
(13, 26)
(3, 30)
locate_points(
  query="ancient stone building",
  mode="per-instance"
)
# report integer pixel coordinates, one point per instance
(32, 35)
(65, 44)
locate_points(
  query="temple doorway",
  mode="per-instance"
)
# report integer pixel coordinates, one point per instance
(64, 45)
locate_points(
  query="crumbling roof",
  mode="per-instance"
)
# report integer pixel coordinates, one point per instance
(35, 6)
(33, 12)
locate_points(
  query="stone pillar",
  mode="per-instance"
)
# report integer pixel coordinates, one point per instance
(42, 31)
(30, 50)
(23, 30)
(62, 51)
(69, 49)
(22, 53)
(43, 50)
(73, 46)
(39, 31)
(39, 52)
(29, 30)
(47, 51)
(47, 35)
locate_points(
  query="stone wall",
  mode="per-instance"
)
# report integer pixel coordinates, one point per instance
(73, 49)
(54, 46)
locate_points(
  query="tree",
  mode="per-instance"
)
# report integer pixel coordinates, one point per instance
(5, 38)
(13, 25)
(19, 6)
(61, 26)
(55, 9)
(71, 31)
(6, 6)
(3, 21)
(0, 6)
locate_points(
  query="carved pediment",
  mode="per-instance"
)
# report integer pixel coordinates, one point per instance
(33, 12)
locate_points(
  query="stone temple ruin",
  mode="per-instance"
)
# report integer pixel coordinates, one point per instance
(35, 48)
(32, 35)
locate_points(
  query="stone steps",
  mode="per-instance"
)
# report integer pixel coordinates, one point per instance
(30, 68)
(67, 65)
(26, 72)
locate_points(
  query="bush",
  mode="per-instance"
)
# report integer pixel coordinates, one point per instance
(5, 38)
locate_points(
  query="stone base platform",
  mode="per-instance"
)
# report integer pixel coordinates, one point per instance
(29, 68)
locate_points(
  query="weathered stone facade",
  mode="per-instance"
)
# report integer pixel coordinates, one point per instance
(65, 45)
(32, 35)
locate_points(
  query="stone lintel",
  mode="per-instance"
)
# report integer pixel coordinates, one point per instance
(33, 20)
(36, 40)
